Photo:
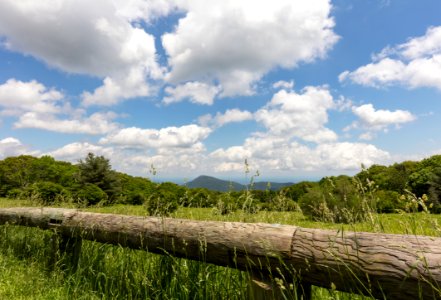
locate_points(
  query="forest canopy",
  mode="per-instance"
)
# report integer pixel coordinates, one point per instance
(92, 181)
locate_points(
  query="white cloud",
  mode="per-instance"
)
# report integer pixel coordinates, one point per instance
(97, 123)
(235, 153)
(372, 120)
(283, 84)
(13, 147)
(79, 36)
(135, 10)
(429, 44)
(116, 88)
(176, 137)
(299, 115)
(414, 64)
(230, 116)
(218, 48)
(36, 106)
(236, 42)
(380, 119)
(17, 97)
(196, 92)
(269, 153)
(292, 118)
(76, 151)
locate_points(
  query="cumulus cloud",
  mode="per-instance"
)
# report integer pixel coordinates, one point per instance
(379, 119)
(271, 153)
(17, 97)
(179, 137)
(196, 92)
(95, 38)
(13, 147)
(414, 64)
(290, 119)
(230, 116)
(76, 151)
(373, 120)
(299, 115)
(283, 84)
(97, 123)
(227, 41)
(218, 48)
(36, 106)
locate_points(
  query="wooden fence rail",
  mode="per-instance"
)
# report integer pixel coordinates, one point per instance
(381, 265)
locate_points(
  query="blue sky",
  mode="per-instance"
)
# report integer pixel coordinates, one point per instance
(300, 89)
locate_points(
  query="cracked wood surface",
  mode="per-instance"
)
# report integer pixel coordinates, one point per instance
(380, 265)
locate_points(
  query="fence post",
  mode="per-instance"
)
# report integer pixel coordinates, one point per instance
(65, 249)
(70, 250)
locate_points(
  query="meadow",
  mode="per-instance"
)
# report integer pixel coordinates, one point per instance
(112, 272)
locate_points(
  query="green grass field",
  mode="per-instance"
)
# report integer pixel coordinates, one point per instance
(111, 272)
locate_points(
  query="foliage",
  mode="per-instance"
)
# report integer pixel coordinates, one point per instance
(226, 204)
(49, 192)
(134, 190)
(19, 173)
(98, 171)
(434, 201)
(335, 199)
(164, 199)
(281, 202)
(297, 190)
(388, 201)
(199, 197)
(90, 194)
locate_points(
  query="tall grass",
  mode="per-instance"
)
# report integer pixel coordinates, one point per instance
(112, 272)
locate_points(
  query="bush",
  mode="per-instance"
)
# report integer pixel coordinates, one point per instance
(388, 201)
(162, 202)
(283, 203)
(335, 199)
(90, 194)
(226, 204)
(15, 193)
(198, 197)
(135, 198)
(48, 192)
(249, 204)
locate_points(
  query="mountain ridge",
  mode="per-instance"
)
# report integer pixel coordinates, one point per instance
(220, 185)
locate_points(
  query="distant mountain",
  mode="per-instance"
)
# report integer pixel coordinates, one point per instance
(215, 184)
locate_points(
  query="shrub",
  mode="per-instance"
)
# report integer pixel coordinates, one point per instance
(283, 203)
(135, 198)
(226, 204)
(15, 193)
(335, 199)
(162, 202)
(48, 192)
(90, 194)
(198, 197)
(388, 201)
(249, 204)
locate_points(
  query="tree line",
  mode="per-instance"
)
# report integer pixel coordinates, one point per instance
(410, 185)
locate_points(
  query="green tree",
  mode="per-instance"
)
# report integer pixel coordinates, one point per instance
(98, 171)
(90, 194)
(49, 192)
(434, 202)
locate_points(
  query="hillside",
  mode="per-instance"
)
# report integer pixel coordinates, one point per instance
(215, 184)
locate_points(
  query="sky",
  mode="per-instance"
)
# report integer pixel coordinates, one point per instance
(174, 89)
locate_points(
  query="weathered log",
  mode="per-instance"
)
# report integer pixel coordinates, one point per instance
(381, 265)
